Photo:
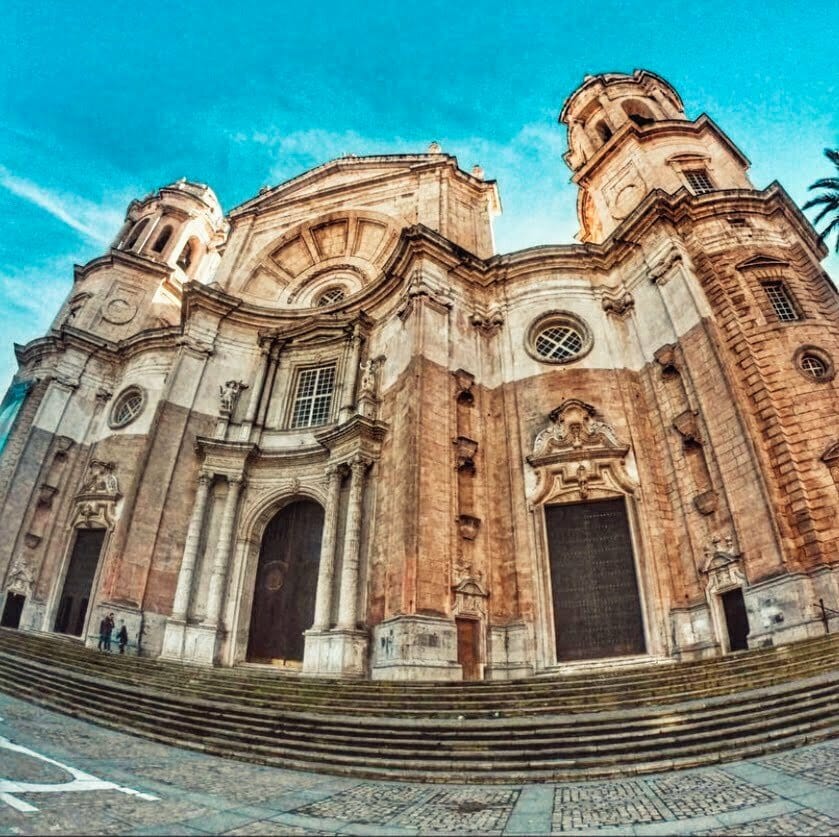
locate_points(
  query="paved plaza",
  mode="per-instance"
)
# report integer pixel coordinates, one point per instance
(59, 775)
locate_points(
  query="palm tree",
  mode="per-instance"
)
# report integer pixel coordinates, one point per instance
(829, 199)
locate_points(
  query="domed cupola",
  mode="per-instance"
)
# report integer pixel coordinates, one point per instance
(181, 225)
(627, 136)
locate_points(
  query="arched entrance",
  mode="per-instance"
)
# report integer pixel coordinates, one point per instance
(286, 583)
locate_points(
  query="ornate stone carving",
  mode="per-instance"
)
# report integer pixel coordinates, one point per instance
(229, 396)
(465, 452)
(659, 274)
(21, 577)
(464, 381)
(619, 305)
(706, 502)
(421, 287)
(119, 311)
(687, 425)
(470, 597)
(579, 454)
(722, 567)
(666, 358)
(468, 526)
(489, 322)
(97, 497)
(367, 382)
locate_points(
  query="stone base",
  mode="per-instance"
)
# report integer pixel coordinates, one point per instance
(508, 652)
(415, 648)
(335, 653)
(190, 643)
(607, 664)
(131, 616)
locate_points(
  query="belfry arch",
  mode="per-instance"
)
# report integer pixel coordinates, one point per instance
(285, 584)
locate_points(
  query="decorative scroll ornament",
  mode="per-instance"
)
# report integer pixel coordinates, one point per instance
(229, 396)
(97, 498)
(21, 577)
(722, 566)
(659, 274)
(470, 597)
(620, 304)
(578, 455)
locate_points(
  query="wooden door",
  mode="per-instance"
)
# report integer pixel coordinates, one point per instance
(736, 619)
(468, 648)
(12, 610)
(78, 582)
(597, 609)
(286, 583)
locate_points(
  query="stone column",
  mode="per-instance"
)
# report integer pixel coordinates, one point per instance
(326, 567)
(271, 370)
(193, 540)
(256, 393)
(222, 556)
(347, 612)
(348, 407)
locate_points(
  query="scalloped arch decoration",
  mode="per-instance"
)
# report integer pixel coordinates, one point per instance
(354, 242)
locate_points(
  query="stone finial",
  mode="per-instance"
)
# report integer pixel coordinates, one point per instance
(477, 171)
(434, 147)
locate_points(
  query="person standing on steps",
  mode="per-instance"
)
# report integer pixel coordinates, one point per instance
(122, 636)
(106, 626)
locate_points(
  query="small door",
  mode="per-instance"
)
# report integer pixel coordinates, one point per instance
(468, 649)
(736, 619)
(78, 582)
(12, 610)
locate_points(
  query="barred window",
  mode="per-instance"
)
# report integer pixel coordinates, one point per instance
(127, 406)
(699, 181)
(781, 300)
(559, 342)
(331, 295)
(313, 396)
(814, 366)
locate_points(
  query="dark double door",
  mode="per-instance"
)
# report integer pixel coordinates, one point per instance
(597, 609)
(286, 583)
(78, 583)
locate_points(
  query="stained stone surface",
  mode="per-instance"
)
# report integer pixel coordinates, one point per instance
(191, 793)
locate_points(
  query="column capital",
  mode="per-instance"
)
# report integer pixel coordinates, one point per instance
(238, 480)
(205, 476)
(359, 464)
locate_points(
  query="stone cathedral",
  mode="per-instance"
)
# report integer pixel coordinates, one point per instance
(334, 430)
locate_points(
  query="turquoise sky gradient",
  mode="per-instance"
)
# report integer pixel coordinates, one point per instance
(103, 102)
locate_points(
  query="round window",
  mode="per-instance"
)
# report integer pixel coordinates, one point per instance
(330, 295)
(559, 338)
(128, 405)
(813, 363)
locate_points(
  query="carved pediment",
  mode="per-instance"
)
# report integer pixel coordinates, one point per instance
(723, 566)
(97, 498)
(579, 456)
(761, 260)
(575, 427)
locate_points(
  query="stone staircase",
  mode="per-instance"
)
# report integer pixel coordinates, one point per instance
(581, 726)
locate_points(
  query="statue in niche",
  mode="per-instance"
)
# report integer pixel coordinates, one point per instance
(367, 383)
(229, 395)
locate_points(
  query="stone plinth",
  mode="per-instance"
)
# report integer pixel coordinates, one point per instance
(415, 648)
(335, 653)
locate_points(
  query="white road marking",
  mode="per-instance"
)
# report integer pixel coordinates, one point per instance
(81, 781)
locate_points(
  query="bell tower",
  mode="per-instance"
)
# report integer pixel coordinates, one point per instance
(628, 135)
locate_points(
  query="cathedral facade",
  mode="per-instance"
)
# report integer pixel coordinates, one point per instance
(333, 429)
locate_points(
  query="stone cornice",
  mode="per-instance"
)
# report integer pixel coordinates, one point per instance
(69, 337)
(659, 129)
(121, 257)
(358, 433)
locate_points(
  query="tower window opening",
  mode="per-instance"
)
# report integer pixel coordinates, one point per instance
(640, 120)
(699, 181)
(187, 257)
(162, 239)
(738, 222)
(603, 131)
(135, 233)
(313, 396)
(782, 302)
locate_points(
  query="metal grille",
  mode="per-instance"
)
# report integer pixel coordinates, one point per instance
(127, 408)
(597, 610)
(331, 295)
(781, 301)
(814, 367)
(313, 399)
(699, 181)
(559, 342)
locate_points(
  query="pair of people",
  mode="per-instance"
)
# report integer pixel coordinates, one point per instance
(106, 628)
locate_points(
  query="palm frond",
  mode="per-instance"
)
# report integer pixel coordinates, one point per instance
(825, 183)
(832, 154)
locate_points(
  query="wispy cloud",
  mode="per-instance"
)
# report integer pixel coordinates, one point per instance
(96, 222)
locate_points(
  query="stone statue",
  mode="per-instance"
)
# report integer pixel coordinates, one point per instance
(229, 395)
(100, 478)
(367, 384)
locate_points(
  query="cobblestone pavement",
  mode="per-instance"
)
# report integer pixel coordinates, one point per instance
(60, 775)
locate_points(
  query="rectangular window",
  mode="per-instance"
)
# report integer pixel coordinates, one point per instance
(781, 301)
(313, 396)
(698, 181)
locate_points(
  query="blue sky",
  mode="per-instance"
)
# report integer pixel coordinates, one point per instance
(103, 102)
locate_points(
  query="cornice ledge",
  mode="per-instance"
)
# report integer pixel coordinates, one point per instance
(357, 427)
(113, 257)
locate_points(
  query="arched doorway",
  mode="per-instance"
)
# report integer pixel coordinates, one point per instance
(286, 583)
